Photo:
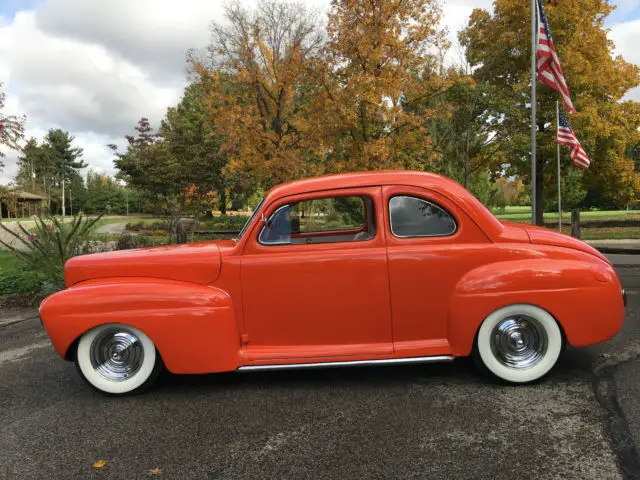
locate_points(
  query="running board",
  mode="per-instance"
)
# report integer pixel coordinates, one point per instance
(355, 363)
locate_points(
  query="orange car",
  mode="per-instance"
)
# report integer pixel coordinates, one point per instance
(356, 269)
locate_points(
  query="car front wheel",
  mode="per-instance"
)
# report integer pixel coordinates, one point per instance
(118, 359)
(518, 343)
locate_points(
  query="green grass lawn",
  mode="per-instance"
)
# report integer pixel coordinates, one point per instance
(25, 219)
(124, 219)
(524, 214)
(8, 263)
(627, 233)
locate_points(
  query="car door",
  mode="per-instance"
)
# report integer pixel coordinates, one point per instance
(315, 281)
(431, 244)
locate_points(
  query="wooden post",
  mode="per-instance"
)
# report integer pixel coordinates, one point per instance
(575, 223)
(181, 233)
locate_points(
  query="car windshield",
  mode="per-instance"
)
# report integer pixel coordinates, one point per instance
(246, 225)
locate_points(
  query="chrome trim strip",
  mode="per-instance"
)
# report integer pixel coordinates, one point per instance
(355, 363)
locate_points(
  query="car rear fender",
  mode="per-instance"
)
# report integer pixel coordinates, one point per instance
(193, 326)
(584, 297)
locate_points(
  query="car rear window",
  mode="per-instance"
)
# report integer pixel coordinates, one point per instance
(415, 217)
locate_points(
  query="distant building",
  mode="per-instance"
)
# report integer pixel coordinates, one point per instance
(17, 204)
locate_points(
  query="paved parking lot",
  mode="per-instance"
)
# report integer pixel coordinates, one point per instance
(434, 421)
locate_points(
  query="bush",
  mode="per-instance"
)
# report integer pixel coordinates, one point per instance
(129, 241)
(153, 226)
(45, 249)
(154, 233)
(134, 227)
(159, 225)
(22, 281)
(226, 222)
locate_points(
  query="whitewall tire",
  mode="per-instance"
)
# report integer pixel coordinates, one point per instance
(118, 359)
(518, 344)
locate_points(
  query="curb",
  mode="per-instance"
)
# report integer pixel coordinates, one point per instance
(618, 251)
(13, 321)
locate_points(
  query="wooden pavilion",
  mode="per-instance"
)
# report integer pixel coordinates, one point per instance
(18, 204)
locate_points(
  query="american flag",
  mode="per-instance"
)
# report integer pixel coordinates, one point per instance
(567, 137)
(549, 69)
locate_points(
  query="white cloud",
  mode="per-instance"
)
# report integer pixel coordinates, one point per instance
(455, 16)
(154, 35)
(626, 37)
(78, 86)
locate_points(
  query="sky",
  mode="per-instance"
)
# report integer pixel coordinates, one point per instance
(94, 68)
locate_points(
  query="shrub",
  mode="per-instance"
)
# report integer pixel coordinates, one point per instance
(159, 225)
(45, 248)
(129, 241)
(134, 226)
(22, 281)
(154, 233)
(226, 222)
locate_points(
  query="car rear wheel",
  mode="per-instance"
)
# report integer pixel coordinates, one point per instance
(118, 359)
(518, 344)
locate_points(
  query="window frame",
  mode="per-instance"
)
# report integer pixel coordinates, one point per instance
(288, 204)
(399, 195)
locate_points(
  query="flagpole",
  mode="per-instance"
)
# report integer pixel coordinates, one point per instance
(558, 154)
(533, 110)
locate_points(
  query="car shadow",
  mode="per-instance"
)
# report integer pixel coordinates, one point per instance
(574, 364)
(459, 371)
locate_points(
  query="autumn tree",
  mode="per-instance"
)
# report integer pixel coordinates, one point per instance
(383, 60)
(466, 135)
(149, 166)
(256, 79)
(498, 47)
(104, 194)
(11, 128)
(43, 166)
(195, 144)
(35, 168)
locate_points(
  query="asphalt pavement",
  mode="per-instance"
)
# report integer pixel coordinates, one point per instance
(435, 421)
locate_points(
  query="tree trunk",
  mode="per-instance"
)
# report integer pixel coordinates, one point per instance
(222, 193)
(575, 223)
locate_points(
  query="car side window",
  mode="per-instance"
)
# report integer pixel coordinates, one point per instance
(322, 220)
(416, 217)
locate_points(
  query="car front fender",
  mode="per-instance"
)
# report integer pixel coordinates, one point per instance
(193, 326)
(583, 296)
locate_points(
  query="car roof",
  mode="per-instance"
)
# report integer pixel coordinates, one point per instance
(359, 179)
(432, 181)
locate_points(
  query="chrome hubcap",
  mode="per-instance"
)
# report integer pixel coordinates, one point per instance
(519, 342)
(116, 355)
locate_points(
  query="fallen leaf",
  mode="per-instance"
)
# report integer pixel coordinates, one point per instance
(99, 464)
(155, 471)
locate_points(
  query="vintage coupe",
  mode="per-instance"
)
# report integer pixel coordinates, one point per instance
(354, 269)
